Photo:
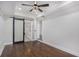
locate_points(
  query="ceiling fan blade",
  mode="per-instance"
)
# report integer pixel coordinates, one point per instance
(40, 10)
(30, 10)
(26, 5)
(43, 5)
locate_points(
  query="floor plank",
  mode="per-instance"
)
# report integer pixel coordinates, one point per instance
(33, 49)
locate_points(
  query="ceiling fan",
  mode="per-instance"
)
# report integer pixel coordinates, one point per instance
(36, 6)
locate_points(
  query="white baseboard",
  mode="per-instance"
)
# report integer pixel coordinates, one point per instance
(2, 45)
(1, 49)
(61, 48)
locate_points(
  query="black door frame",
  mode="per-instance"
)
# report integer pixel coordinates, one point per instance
(14, 30)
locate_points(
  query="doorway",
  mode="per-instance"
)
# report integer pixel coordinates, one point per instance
(29, 30)
(18, 30)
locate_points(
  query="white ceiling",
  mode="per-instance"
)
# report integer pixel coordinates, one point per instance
(14, 8)
(67, 9)
(25, 9)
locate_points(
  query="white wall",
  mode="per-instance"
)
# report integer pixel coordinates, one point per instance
(63, 33)
(32, 30)
(8, 30)
(1, 33)
(5, 32)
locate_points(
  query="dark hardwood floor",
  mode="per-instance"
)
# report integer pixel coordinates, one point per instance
(33, 49)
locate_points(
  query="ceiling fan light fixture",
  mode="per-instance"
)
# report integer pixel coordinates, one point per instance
(35, 11)
(35, 6)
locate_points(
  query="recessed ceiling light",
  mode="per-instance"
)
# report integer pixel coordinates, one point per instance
(20, 8)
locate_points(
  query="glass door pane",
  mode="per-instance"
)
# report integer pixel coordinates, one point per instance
(18, 30)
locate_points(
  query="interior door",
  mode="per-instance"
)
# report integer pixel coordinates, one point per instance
(18, 31)
(28, 30)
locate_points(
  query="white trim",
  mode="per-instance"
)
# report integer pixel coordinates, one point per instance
(61, 48)
(3, 46)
